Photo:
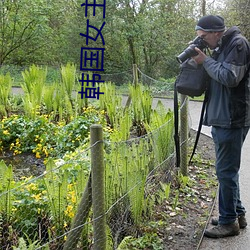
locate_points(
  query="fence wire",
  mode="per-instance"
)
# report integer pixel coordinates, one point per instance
(44, 210)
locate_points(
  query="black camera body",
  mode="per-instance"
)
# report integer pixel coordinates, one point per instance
(190, 51)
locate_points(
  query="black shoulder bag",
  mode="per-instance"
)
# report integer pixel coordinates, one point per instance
(192, 79)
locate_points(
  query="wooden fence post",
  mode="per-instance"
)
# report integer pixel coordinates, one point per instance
(80, 218)
(98, 194)
(135, 81)
(135, 74)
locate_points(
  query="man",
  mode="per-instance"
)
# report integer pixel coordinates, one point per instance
(228, 112)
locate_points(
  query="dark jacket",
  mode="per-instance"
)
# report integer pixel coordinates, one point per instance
(229, 90)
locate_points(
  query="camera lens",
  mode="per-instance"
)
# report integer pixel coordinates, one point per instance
(187, 53)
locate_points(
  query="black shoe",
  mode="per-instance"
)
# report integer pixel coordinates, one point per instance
(221, 231)
(241, 219)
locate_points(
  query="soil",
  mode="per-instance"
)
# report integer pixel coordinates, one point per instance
(25, 164)
(186, 223)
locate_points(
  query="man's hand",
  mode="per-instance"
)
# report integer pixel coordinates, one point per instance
(200, 58)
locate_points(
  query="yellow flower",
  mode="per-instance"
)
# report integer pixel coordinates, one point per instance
(37, 196)
(45, 151)
(69, 211)
(73, 199)
(103, 112)
(16, 152)
(38, 155)
(14, 209)
(6, 132)
(31, 187)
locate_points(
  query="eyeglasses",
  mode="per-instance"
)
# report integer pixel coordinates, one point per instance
(203, 36)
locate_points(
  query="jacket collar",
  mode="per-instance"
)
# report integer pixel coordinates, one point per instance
(231, 32)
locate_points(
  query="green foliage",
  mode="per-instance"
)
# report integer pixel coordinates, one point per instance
(30, 206)
(33, 86)
(112, 108)
(28, 32)
(56, 187)
(161, 126)
(184, 181)
(164, 191)
(48, 98)
(141, 104)
(43, 137)
(128, 161)
(126, 172)
(5, 89)
(30, 245)
(146, 33)
(147, 241)
(6, 184)
(68, 73)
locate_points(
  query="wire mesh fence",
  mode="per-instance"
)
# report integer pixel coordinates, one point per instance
(55, 210)
(42, 210)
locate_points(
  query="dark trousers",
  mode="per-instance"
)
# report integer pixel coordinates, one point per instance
(228, 145)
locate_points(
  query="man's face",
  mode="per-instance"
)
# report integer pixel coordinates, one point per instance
(211, 38)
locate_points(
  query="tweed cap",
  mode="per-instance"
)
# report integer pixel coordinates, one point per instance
(210, 23)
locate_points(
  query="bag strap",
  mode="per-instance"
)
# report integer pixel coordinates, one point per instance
(199, 127)
(176, 126)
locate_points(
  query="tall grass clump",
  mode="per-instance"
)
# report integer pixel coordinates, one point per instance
(161, 130)
(68, 75)
(6, 203)
(141, 106)
(33, 85)
(5, 90)
(110, 102)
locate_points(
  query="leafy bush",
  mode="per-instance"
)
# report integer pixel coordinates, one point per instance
(43, 137)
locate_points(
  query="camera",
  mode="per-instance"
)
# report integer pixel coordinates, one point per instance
(190, 51)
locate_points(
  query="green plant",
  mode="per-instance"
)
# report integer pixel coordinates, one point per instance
(48, 97)
(161, 128)
(45, 138)
(164, 191)
(141, 104)
(30, 208)
(56, 187)
(6, 196)
(23, 246)
(64, 185)
(126, 173)
(176, 199)
(110, 102)
(147, 241)
(23, 134)
(68, 74)
(33, 86)
(5, 89)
